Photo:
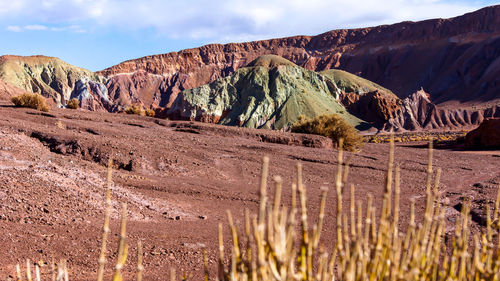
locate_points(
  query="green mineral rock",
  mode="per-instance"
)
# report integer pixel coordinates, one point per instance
(271, 92)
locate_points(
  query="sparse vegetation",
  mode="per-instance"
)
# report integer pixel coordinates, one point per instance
(150, 112)
(139, 110)
(332, 126)
(73, 103)
(35, 101)
(418, 136)
(279, 244)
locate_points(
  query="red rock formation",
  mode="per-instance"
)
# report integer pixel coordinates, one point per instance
(418, 112)
(374, 107)
(486, 136)
(454, 59)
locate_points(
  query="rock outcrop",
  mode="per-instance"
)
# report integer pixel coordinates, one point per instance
(486, 136)
(271, 93)
(55, 79)
(418, 112)
(454, 59)
(374, 107)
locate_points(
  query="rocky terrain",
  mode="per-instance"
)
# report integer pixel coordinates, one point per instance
(178, 179)
(418, 112)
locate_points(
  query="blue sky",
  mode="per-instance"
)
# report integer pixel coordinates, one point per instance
(96, 34)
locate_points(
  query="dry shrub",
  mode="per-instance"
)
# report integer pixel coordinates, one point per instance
(135, 109)
(332, 126)
(139, 110)
(73, 103)
(35, 101)
(150, 112)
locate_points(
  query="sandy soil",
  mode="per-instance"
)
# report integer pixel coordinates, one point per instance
(178, 179)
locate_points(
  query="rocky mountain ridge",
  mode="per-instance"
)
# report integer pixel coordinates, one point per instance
(456, 60)
(453, 59)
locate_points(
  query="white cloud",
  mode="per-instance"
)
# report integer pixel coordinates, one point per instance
(227, 20)
(35, 27)
(39, 27)
(14, 28)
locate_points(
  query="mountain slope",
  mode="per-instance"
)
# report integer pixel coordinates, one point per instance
(351, 83)
(453, 59)
(270, 93)
(55, 79)
(7, 91)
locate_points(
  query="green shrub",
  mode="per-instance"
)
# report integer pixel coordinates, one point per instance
(35, 101)
(332, 126)
(73, 103)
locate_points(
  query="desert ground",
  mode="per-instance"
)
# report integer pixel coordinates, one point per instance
(178, 179)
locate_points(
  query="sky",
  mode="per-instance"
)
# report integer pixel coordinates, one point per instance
(96, 34)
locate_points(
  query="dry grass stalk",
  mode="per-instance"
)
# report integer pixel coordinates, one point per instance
(365, 250)
(105, 229)
(123, 246)
(140, 267)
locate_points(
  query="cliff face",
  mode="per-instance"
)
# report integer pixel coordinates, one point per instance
(55, 80)
(271, 93)
(454, 59)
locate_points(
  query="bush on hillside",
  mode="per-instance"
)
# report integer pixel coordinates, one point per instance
(332, 126)
(150, 112)
(73, 103)
(139, 110)
(35, 101)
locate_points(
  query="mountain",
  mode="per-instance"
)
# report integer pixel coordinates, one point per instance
(456, 60)
(56, 80)
(270, 92)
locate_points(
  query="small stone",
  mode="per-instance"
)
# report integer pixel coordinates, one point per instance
(202, 217)
(178, 218)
